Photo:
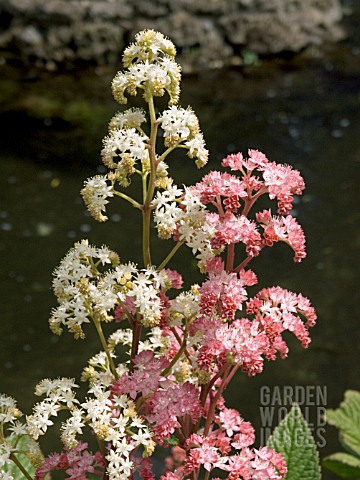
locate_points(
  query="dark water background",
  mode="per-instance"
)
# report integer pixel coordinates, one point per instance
(303, 112)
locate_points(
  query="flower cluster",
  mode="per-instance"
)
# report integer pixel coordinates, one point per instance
(181, 126)
(86, 294)
(278, 310)
(225, 448)
(151, 68)
(76, 462)
(95, 193)
(284, 229)
(178, 123)
(168, 353)
(83, 293)
(247, 343)
(182, 215)
(279, 181)
(112, 418)
(186, 214)
(13, 432)
(167, 403)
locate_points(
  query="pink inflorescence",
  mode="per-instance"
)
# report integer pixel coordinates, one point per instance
(167, 402)
(229, 199)
(169, 405)
(277, 310)
(227, 330)
(222, 293)
(242, 341)
(226, 448)
(145, 378)
(77, 463)
(285, 229)
(279, 181)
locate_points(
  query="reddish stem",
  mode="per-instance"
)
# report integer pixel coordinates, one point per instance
(182, 438)
(178, 338)
(231, 375)
(249, 203)
(243, 264)
(218, 205)
(135, 342)
(230, 257)
(213, 402)
(207, 388)
(207, 475)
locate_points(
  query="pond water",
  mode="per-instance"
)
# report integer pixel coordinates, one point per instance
(305, 113)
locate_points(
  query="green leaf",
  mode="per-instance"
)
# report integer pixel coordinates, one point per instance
(172, 440)
(24, 445)
(344, 465)
(293, 439)
(347, 419)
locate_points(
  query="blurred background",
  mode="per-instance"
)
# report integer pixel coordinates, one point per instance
(276, 76)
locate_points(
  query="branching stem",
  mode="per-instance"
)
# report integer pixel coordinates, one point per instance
(133, 202)
(213, 402)
(170, 255)
(97, 324)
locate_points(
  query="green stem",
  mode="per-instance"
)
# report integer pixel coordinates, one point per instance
(152, 152)
(141, 131)
(106, 349)
(146, 237)
(146, 208)
(133, 202)
(17, 440)
(101, 446)
(166, 153)
(170, 255)
(144, 186)
(20, 466)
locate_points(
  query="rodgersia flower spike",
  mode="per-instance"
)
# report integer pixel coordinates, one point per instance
(183, 346)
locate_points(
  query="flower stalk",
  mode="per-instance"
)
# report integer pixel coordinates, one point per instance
(20, 466)
(100, 332)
